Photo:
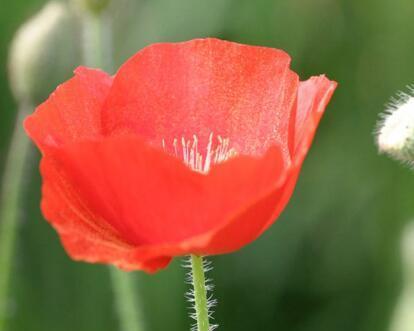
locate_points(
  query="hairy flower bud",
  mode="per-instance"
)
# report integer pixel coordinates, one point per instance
(396, 129)
(43, 53)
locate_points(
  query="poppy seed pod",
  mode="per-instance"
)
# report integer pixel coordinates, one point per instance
(396, 130)
(43, 53)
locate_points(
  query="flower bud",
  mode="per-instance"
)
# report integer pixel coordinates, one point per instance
(43, 53)
(396, 130)
(93, 6)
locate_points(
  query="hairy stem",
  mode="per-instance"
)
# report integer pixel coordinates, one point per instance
(11, 191)
(200, 293)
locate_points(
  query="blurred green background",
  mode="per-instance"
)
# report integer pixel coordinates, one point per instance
(332, 262)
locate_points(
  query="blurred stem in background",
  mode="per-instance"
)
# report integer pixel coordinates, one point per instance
(403, 319)
(129, 309)
(97, 41)
(11, 192)
(34, 67)
(97, 53)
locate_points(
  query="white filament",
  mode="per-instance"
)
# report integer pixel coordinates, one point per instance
(217, 151)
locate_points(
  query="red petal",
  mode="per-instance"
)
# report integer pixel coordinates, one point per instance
(150, 200)
(313, 97)
(72, 112)
(84, 234)
(81, 248)
(243, 93)
(239, 230)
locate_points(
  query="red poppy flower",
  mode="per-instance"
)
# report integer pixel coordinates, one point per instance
(192, 147)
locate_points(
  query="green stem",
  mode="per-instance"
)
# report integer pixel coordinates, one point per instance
(97, 48)
(97, 52)
(200, 293)
(128, 307)
(11, 191)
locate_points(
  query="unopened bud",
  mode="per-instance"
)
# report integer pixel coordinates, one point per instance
(43, 53)
(93, 6)
(396, 129)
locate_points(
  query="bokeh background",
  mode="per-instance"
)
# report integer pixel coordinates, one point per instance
(333, 259)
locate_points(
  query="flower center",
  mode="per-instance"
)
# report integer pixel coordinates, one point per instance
(218, 150)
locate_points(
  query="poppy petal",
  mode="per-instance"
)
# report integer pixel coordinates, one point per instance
(241, 230)
(84, 235)
(238, 231)
(73, 110)
(172, 90)
(81, 248)
(116, 177)
(313, 97)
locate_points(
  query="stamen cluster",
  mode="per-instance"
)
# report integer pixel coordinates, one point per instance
(218, 150)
